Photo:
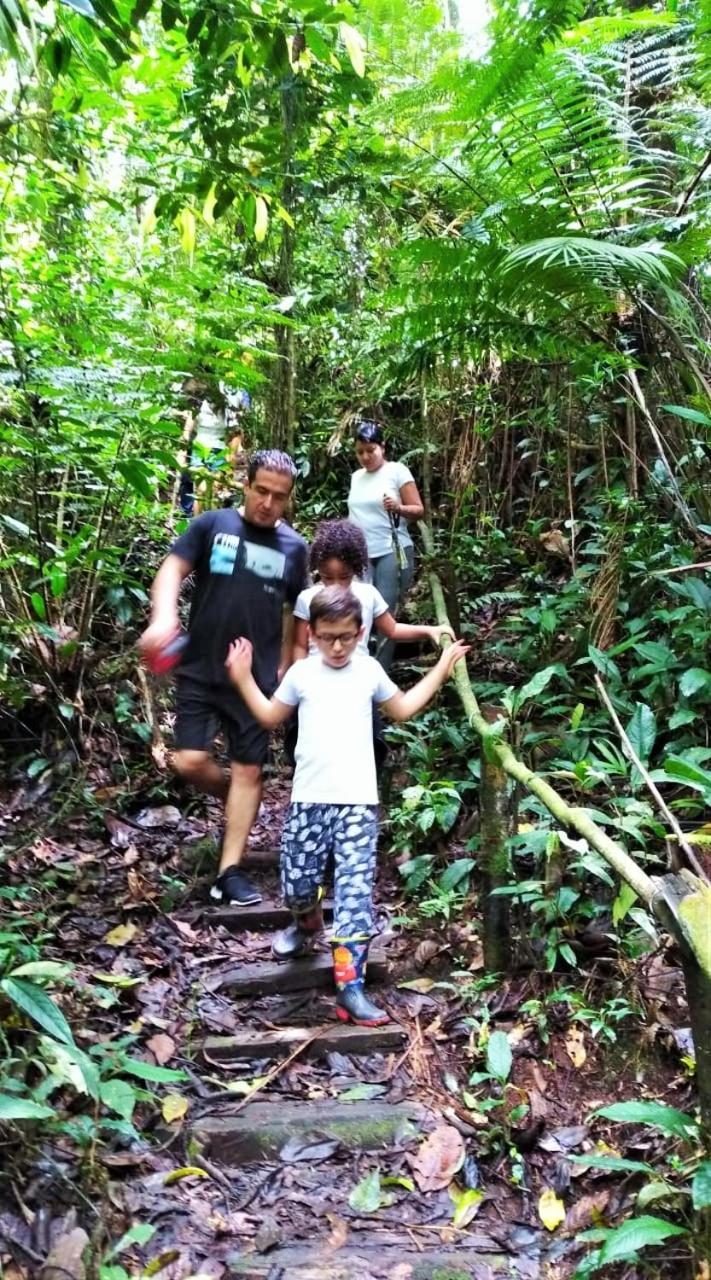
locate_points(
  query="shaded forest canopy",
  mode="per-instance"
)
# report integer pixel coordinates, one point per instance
(496, 244)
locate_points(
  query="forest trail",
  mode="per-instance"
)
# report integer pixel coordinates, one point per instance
(341, 1165)
(287, 1146)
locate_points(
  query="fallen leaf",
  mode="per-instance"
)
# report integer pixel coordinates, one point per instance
(117, 979)
(121, 935)
(186, 931)
(268, 1235)
(174, 1107)
(437, 1159)
(165, 816)
(139, 888)
(187, 1171)
(163, 1260)
(120, 832)
(422, 985)
(537, 1104)
(425, 952)
(551, 1210)
(162, 1047)
(339, 1231)
(296, 1149)
(466, 1205)
(66, 1255)
(575, 1046)
(587, 1211)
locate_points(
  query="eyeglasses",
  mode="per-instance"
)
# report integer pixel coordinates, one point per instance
(346, 637)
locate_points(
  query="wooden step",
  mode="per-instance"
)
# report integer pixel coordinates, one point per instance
(260, 1130)
(363, 1262)
(274, 977)
(266, 914)
(339, 1038)
(256, 858)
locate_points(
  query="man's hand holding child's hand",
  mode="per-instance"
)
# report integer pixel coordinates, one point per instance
(239, 659)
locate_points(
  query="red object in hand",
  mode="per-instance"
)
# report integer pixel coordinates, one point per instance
(163, 660)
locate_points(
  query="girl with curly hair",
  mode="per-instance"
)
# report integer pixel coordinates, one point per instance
(339, 555)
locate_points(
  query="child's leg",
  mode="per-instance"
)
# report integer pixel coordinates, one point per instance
(356, 837)
(305, 844)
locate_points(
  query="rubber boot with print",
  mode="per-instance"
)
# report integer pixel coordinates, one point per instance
(350, 956)
(299, 938)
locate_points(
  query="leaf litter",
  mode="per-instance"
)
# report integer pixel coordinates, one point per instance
(445, 1186)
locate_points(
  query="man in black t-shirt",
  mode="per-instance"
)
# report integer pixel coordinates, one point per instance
(249, 568)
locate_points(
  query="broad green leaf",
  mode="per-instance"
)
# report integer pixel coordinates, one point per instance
(42, 969)
(658, 1190)
(466, 1205)
(455, 872)
(17, 526)
(118, 1096)
(694, 679)
(22, 1109)
(355, 46)
(37, 1005)
(701, 1186)
(139, 1233)
(635, 1234)
(625, 899)
(612, 1162)
(537, 684)
(660, 1116)
(677, 769)
(38, 605)
(499, 1058)
(70, 1065)
(692, 415)
(148, 1071)
(642, 730)
(135, 474)
(367, 1195)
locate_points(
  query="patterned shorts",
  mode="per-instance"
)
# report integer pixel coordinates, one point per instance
(349, 832)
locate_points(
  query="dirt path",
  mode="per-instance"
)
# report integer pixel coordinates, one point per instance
(293, 1147)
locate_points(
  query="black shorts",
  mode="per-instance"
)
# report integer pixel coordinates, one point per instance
(203, 709)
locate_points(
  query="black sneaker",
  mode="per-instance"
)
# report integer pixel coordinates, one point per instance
(233, 888)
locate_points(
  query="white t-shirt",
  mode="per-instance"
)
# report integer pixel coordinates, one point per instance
(365, 505)
(372, 603)
(334, 751)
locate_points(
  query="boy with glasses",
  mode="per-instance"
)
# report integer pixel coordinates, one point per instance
(334, 799)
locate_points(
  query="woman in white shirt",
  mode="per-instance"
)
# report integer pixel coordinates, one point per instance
(383, 497)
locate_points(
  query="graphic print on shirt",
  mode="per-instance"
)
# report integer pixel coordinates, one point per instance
(223, 555)
(263, 562)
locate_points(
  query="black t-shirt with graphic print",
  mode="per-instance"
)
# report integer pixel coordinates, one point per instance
(243, 577)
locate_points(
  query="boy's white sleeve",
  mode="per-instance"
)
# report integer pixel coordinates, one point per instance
(301, 608)
(385, 688)
(289, 691)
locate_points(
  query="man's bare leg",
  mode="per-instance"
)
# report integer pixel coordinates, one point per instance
(241, 808)
(201, 770)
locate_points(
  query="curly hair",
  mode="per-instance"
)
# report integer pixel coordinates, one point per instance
(339, 540)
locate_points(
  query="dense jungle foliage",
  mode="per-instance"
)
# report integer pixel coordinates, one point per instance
(497, 243)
